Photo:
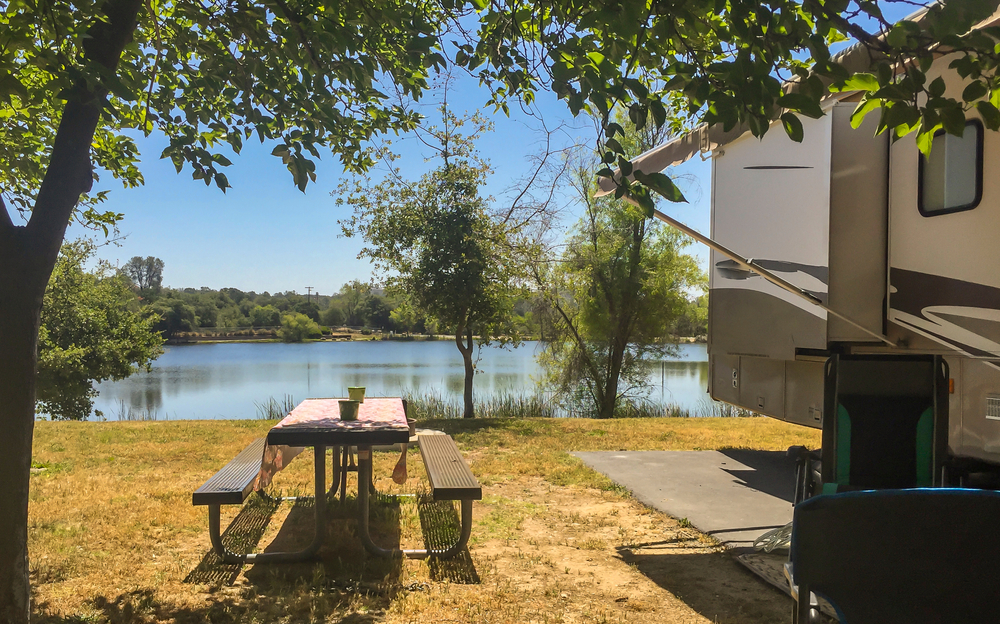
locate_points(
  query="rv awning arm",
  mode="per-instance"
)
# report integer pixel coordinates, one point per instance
(750, 265)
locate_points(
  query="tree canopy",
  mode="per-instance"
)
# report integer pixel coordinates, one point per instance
(726, 62)
(146, 273)
(92, 330)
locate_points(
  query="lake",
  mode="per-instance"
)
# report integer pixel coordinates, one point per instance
(229, 380)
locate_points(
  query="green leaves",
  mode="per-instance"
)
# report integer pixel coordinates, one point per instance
(92, 330)
(10, 85)
(953, 120)
(661, 184)
(314, 78)
(801, 103)
(860, 82)
(793, 127)
(990, 114)
(975, 90)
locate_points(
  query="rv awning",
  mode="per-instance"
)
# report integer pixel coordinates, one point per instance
(702, 139)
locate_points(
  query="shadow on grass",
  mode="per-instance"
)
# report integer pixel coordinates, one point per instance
(343, 585)
(441, 528)
(712, 583)
(242, 535)
(141, 606)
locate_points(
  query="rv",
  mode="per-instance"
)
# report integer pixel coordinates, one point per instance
(851, 245)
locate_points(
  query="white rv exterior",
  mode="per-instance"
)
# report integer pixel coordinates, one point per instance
(904, 246)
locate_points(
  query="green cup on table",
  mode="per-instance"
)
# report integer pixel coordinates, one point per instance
(356, 393)
(349, 409)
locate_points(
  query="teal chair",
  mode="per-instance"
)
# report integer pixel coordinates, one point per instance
(885, 422)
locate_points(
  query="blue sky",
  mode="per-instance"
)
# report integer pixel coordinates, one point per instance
(266, 235)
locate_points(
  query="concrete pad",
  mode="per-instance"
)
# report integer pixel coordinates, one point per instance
(733, 495)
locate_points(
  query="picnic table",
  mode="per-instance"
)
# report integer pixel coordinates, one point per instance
(316, 423)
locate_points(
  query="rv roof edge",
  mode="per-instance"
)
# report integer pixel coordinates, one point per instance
(750, 265)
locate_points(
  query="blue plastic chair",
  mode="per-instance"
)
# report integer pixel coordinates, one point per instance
(917, 556)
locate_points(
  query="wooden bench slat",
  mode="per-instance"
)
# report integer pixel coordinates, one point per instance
(449, 476)
(232, 484)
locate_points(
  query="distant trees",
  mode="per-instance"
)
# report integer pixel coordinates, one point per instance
(173, 315)
(146, 273)
(352, 297)
(265, 316)
(693, 321)
(192, 309)
(332, 316)
(91, 330)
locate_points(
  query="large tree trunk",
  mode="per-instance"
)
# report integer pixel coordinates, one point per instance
(22, 283)
(463, 338)
(27, 255)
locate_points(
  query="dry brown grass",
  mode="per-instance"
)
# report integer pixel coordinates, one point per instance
(114, 537)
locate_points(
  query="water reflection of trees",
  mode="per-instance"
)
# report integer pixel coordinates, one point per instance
(217, 383)
(146, 399)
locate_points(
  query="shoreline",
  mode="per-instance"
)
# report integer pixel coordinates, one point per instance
(234, 337)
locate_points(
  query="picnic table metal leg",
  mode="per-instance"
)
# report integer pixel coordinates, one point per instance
(365, 476)
(344, 469)
(214, 526)
(335, 467)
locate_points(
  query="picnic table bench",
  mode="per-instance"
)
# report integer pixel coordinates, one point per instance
(312, 424)
(233, 484)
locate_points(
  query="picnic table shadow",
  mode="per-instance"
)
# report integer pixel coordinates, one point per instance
(342, 563)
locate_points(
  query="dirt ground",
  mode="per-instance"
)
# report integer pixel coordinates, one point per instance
(556, 554)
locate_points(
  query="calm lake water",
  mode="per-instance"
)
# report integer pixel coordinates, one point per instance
(229, 380)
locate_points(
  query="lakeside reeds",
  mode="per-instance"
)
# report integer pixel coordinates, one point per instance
(434, 406)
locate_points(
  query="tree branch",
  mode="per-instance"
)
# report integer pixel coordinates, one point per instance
(69, 173)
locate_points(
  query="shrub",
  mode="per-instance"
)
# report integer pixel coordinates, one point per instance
(297, 327)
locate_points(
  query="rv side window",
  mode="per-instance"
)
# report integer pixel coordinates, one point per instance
(951, 180)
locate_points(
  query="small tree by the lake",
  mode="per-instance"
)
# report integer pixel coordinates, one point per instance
(296, 327)
(440, 246)
(92, 330)
(612, 295)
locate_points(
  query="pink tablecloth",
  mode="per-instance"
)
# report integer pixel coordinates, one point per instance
(317, 415)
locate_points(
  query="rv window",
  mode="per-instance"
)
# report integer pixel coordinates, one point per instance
(951, 179)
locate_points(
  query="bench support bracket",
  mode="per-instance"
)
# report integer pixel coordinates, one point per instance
(364, 476)
(214, 526)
